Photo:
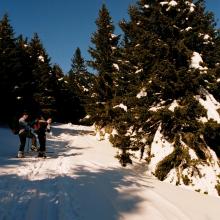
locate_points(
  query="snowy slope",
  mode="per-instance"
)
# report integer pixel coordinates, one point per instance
(82, 180)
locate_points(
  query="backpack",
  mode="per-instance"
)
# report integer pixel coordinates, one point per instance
(36, 125)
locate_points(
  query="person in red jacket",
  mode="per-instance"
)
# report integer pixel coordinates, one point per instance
(41, 127)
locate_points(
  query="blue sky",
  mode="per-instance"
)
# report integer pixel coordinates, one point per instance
(64, 25)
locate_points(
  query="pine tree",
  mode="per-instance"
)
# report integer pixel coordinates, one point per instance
(159, 42)
(42, 76)
(104, 55)
(23, 90)
(68, 107)
(81, 81)
(79, 77)
(8, 62)
(78, 64)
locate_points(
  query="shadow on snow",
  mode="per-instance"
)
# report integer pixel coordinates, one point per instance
(87, 195)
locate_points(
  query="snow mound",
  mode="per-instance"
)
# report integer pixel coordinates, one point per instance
(201, 176)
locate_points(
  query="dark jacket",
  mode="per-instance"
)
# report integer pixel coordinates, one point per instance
(23, 125)
(42, 127)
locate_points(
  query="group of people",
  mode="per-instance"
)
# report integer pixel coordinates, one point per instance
(33, 130)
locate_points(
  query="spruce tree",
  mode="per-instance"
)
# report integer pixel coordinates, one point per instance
(104, 58)
(8, 71)
(160, 40)
(23, 90)
(78, 64)
(41, 72)
(79, 77)
(68, 106)
(81, 81)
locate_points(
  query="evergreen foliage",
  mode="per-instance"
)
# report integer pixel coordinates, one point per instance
(8, 60)
(81, 82)
(212, 136)
(27, 80)
(155, 70)
(104, 60)
(41, 73)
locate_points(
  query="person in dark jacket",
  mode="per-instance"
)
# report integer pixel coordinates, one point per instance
(42, 126)
(25, 131)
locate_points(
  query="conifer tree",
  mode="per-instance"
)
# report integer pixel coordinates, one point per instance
(78, 64)
(104, 56)
(41, 72)
(8, 62)
(67, 106)
(28, 82)
(161, 39)
(79, 77)
(81, 81)
(23, 90)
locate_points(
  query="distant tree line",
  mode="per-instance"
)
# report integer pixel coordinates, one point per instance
(28, 81)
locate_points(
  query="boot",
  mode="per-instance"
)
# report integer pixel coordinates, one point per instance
(42, 154)
(20, 154)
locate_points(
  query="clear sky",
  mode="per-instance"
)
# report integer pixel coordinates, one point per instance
(64, 25)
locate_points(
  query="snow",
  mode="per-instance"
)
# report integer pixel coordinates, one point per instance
(208, 171)
(196, 61)
(114, 36)
(188, 29)
(138, 71)
(164, 3)
(192, 6)
(202, 176)
(160, 148)
(211, 105)
(41, 58)
(146, 6)
(85, 89)
(173, 105)
(173, 3)
(82, 180)
(115, 65)
(157, 107)
(121, 105)
(206, 37)
(142, 93)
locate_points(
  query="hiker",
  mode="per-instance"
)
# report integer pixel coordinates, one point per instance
(41, 127)
(25, 131)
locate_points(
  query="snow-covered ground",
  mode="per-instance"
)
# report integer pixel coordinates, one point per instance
(82, 180)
